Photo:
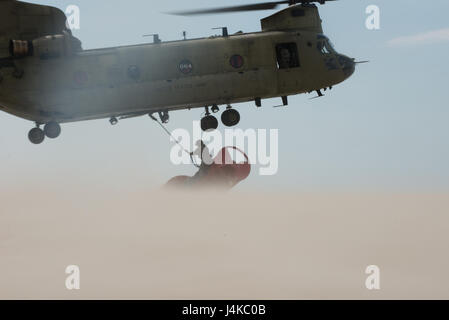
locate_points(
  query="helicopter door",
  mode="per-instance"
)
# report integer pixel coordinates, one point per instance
(288, 63)
(287, 55)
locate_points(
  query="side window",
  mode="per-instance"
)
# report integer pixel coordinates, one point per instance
(287, 55)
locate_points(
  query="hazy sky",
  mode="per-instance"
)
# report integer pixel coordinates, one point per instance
(385, 128)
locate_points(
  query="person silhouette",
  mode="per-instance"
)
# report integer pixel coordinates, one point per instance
(202, 152)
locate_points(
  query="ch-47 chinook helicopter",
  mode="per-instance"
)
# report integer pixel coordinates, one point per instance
(47, 78)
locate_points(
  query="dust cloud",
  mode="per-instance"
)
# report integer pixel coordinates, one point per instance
(159, 244)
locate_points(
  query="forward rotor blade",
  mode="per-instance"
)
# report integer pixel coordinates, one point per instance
(250, 7)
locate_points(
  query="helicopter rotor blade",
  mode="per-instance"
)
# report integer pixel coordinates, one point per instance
(249, 7)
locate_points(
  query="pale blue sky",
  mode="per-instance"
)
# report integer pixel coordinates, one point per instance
(386, 128)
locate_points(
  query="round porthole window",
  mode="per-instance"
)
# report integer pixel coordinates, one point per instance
(236, 61)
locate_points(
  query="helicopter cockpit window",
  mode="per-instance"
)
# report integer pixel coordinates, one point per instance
(287, 55)
(321, 47)
(324, 45)
(330, 46)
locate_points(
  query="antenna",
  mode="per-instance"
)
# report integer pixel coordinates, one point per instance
(155, 36)
(224, 31)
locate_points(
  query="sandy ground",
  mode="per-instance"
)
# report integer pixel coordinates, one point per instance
(155, 245)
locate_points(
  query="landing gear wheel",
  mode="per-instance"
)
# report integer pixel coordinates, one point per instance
(52, 130)
(209, 123)
(230, 117)
(36, 135)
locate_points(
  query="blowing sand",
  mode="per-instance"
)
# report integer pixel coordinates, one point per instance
(159, 245)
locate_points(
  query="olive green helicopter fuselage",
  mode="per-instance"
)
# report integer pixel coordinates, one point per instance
(48, 79)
